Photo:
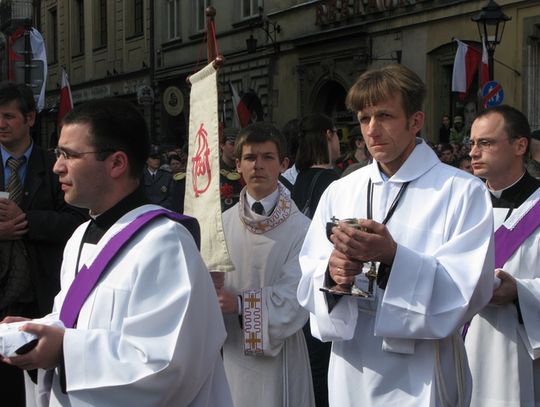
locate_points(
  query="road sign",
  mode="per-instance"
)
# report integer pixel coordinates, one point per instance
(492, 94)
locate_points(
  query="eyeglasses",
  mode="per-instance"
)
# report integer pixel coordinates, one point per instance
(484, 145)
(67, 155)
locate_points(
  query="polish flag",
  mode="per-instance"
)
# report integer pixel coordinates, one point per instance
(466, 65)
(484, 68)
(39, 54)
(66, 101)
(241, 111)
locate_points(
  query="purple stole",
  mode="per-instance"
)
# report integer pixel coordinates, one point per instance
(87, 277)
(507, 241)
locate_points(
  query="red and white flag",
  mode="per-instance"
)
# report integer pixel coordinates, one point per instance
(241, 112)
(484, 67)
(466, 65)
(39, 54)
(66, 101)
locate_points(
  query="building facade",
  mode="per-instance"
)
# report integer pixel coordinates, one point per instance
(105, 48)
(286, 58)
(308, 53)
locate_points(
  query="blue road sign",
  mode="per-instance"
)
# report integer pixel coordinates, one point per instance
(492, 94)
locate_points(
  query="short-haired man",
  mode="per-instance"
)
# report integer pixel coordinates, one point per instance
(427, 228)
(503, 341)
(457, 132)
(265, 354)
(35, 222)
(446, 154)
(148, 332)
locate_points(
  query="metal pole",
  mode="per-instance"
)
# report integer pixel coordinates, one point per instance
(27, 55)
(491, 59)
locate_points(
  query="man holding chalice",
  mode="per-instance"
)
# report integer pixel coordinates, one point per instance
(411, 239)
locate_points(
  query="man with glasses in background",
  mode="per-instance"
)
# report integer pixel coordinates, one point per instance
(503, 340)
(35, 222)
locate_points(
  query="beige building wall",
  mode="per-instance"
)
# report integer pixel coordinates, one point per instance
(119, 68)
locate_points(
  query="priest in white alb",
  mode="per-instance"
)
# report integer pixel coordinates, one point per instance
(503, 340)
(414, 235)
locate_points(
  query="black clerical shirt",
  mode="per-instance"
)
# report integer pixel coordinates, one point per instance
(518, 193)
(99, 225)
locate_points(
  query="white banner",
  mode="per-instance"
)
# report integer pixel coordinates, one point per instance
(202, 199)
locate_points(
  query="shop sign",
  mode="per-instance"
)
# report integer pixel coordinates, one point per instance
(333, 11)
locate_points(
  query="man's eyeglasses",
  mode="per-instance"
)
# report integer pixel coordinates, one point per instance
(67, 155)
(484, 145)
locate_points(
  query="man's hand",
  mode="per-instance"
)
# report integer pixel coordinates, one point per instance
(507, 292)
(376, 244)
(343, 269)
(15, 228)
(8, 209)
(227, 301)
(48, 352)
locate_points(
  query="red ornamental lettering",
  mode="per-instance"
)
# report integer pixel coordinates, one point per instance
(201, 174)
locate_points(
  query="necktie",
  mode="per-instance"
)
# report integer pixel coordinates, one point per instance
(258, 208)
(14, 185)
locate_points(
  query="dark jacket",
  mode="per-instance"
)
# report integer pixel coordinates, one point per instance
(51, 223)
(159, 189)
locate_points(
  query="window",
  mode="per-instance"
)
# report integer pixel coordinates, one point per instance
(250, 8)
(173, 13)
(200, 14)
(138, 17)
(532, 81)
(52, 36)
(134, 18)
(78, 28)
(100, 23)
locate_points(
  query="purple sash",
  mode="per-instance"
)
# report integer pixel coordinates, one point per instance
(87, 277)
(507, 241)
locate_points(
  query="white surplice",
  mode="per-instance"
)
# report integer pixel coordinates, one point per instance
(150, 333)
(401, 348)
(504, 353)
(265, 258)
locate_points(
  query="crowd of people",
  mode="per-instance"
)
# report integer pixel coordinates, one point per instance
(397, 272)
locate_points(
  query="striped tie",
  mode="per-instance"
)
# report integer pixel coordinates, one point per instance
(14, 186)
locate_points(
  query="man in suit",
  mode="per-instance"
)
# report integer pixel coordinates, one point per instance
(35, 222)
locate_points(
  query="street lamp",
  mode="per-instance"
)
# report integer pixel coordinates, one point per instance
(489, 22)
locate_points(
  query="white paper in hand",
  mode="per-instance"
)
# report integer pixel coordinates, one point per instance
(14, 342)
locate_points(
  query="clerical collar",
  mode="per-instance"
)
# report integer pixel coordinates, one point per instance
(497, 193)
(268, 202)
(99, 225)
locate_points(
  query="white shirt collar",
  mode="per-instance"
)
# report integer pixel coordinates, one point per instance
(268, 202)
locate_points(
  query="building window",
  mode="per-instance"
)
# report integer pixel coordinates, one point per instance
(52, 36)
(200, 14)
(138, 17)
(533, 79)
(78, 28)
(134, 18)
(250, 8)
(173, 12)
(100, 23)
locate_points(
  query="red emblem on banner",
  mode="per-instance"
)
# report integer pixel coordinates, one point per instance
(201, 173)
